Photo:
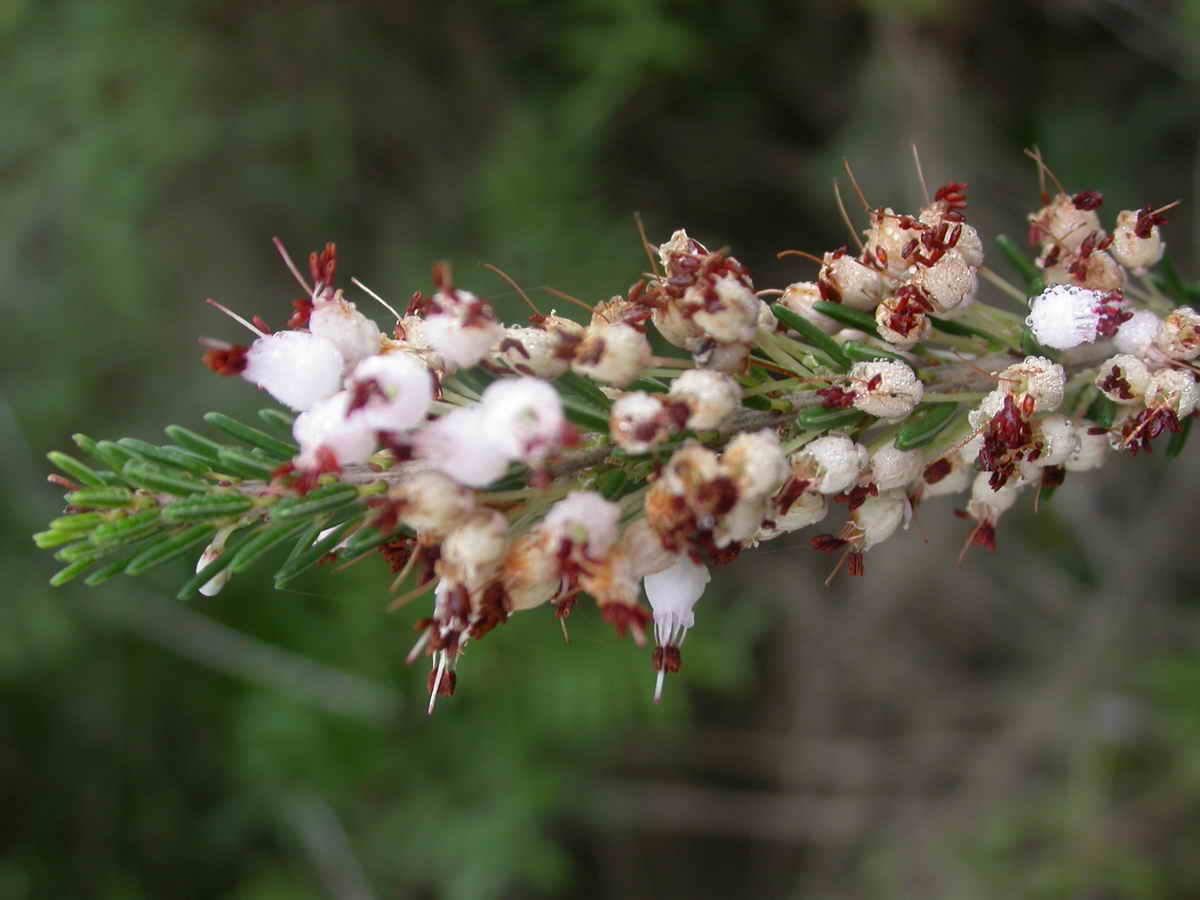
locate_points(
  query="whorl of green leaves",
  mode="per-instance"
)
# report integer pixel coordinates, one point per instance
(139, 505)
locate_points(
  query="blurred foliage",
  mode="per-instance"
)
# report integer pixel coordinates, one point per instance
(266, 745)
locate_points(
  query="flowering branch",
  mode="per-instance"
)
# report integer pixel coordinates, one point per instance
(501, 468)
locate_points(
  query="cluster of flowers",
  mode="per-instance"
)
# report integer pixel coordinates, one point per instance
(524, 465)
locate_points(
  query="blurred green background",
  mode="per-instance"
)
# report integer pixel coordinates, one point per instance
(1024, 725)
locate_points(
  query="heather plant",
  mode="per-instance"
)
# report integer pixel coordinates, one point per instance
(501, 469)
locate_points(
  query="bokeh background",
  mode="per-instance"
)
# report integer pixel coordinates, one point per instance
(1023, 725)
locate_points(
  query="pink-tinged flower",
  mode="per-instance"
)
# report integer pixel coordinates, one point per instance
(587, 520)
(1064, 315)
(462, 328)
(328, 426)
(523, 418)
(339, 322)
(297, 368)
(672, 594)
(458, 444)
(391, 391)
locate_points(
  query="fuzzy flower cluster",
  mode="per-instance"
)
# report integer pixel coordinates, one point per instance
(508, 468)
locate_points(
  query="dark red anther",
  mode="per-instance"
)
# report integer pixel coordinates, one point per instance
(1112, 314)
(302, 311)
(874, 382)
(881, 255)
(1053, 476)
(625, 618)
(909, 248)
(835, 397)
(1088, 200)
(984, 536)
(828, 292)
(513, 344)
(1116, 383)
(792, 491)
(231, 361)
(362, 392)
(857, 496)
(442, 279)
(827, 543)
(855, 565)
(937, 470)
(446, 686)
(323, 266)
(1146, 221)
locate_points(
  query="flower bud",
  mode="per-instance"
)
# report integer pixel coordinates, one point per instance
(587, 520)
(1136, 335)
(1179, 335)
(339, 322)
(213, 552)
(711, 396)
(878, 517)
(1058, 438)
(1092, 447)
(1173, 389)
(886, 389)
(1133, 252)
(756, 463)
(462, 329)
(726, 308)
(847, 280)
(1096, 271)
(328, 426)
(946, 475)
(432, 503)
(1123, 378)
(893, 468)
(473, 551)
(391, 391)
(614, 354)
(900, 324)
(639, 422)
(787, 513)
(949, 283)
(523, 418)
(532, 351)
(800, 297)
(459, 444)
(1061, 223)
(1035, 377)
(531, 572)
(988, 505)
(969, 245)
(887, 239)
(833, 463)
(677, 327)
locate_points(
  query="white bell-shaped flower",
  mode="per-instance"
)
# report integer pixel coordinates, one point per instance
(297, 368)
(673, 594)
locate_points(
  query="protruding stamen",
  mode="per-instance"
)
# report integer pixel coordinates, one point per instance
(239, 319)
(646, 245)
(858, 190)
(437, 682)
(374, 296)
(516, 287)
(287, 261)
(920, 173)
(658, 684)
(837, 193)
